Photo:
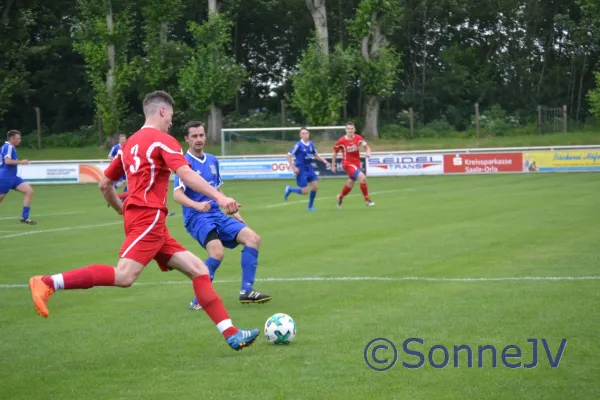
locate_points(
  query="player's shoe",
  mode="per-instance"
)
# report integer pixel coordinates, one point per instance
(28, 221)
(286, 193)
(311, 209)
(339, 202)
(369, 203)
(41, 294)
(171, 214)
(194, 305)
(254, 297)
(244, 338)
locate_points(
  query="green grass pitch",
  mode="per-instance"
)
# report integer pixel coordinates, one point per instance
(474, 245)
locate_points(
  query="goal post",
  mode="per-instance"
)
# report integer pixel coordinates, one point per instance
(261, 141)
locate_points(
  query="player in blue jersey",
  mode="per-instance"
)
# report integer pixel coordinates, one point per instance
(8, 174)
(205, 222)
(304, 151)
(111, 155)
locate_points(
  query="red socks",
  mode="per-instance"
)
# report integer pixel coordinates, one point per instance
(365, 191)
(82, 278)
(213, 305)
(345, 191)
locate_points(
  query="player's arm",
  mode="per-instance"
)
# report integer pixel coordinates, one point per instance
(172, 155)
(180, 197)
(364, 144)
(198, 184)
(334, 157)
(324, 161)
(235, 215)
(289, 158)
(10, 159)
(111, 175)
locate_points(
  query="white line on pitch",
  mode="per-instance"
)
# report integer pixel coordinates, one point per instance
(73, 228)
(371, 278)
(335, 197)
(45, 215)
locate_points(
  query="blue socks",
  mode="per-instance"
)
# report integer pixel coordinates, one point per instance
(249, 266)
(25, 213)
(296, 190)
(311, 199)
(212, 264)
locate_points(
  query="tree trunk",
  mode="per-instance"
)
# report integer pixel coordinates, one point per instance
(110, 75)
(164, 30)
(371, 116)
(581, 85)
(319, 13)
(7, 5)
(215, 124)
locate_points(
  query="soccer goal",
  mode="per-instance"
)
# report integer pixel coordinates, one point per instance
(269, 141)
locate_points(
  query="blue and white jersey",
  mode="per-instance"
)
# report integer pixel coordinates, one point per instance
(304, 153)
(207, 167)
(115, 149)
(8, 171)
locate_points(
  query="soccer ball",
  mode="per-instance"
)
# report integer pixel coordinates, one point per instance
(280, 329)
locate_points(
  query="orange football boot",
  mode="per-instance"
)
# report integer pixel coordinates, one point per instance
(41, 294)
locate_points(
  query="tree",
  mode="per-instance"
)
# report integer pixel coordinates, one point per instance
(594, 98)
(210, 78)
(321, 82)
(102, 37)
(379, 62)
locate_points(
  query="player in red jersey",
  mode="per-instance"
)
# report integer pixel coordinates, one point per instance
(350, 145)
(147, 159)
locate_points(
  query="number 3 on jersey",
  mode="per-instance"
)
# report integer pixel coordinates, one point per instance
(134, 152)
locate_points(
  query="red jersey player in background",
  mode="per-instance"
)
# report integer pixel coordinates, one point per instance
(147, 159)
(350, 145)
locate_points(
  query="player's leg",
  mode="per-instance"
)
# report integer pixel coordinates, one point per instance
(42, 287)
(233, 232)
(301, 189)
(2, 197)
(190, 265)
(214, 248)
(352, 172)
(362, 179)
(25, 188)
(314, 186)
(144, 237)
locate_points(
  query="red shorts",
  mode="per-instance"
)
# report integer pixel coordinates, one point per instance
(352, 170)
(147, 237)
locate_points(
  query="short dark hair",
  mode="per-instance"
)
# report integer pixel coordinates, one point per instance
(303, 129)
(123, 134)
(12, 133)
(350, 123)
(153, 100)
(192, 124)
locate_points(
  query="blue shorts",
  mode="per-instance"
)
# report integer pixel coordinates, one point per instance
(11, 183)
(305, 177)
(227, 228)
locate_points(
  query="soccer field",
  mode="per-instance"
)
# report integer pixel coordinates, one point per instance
(453, 260)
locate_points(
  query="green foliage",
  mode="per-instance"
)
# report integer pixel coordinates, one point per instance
(92, 40)
(321, 82)
(380, 64)
(210, 76)
(594, 97)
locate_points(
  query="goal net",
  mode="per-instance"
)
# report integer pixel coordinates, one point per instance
(275, 141)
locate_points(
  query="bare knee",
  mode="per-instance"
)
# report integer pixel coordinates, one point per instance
(253, 241)
(124, 279)
(305, 190)
(363, 179)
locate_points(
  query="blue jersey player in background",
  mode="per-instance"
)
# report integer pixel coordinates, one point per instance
(205, 222)
(9, 180)
(112, 154)
(304, 151)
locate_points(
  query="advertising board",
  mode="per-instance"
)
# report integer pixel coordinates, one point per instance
(561, 161)
(486, 163)
(267, 168)
(405, 164)
(49, 173)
